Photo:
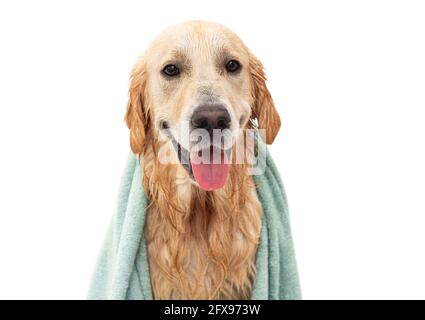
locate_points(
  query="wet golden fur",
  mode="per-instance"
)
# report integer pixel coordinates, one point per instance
(201, 244)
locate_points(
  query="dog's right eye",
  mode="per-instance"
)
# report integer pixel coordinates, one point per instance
(171, 70)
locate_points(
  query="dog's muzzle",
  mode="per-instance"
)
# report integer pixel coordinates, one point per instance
(207, 161)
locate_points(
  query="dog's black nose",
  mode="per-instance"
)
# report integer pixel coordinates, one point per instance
(211, 117)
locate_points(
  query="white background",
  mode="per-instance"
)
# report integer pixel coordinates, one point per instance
(348, 79)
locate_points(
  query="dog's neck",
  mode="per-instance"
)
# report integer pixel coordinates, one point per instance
(201, 244)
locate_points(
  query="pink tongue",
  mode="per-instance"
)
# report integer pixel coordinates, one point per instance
(211, 176)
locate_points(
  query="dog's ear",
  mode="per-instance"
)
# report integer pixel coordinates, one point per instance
(137, 116)
(263, 108)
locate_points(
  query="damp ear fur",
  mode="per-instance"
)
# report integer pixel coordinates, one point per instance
(137, 115)
(263, 108)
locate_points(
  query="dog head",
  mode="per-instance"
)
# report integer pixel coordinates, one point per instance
(199, 87)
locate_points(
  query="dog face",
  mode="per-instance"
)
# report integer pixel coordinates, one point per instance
(196, 81)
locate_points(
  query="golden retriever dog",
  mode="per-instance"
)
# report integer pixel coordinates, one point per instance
(203, 221)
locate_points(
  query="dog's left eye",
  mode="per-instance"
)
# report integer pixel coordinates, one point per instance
(233, 66)
(171, 70)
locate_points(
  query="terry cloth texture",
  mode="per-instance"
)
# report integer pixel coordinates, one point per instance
(122, 269)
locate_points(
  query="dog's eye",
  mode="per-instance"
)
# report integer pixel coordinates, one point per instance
(171, 70)
(233, 66)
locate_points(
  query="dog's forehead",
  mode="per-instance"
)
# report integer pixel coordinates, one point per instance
(194, 38)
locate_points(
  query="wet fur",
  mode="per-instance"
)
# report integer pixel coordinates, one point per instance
(201, 244)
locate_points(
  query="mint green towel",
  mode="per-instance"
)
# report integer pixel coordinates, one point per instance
(122, 270)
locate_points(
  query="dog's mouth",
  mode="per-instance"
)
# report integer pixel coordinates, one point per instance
(209, 167)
